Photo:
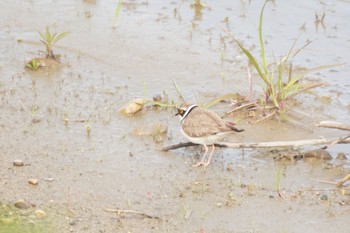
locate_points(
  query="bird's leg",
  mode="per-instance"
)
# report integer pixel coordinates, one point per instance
(211, 154)
(203, 157)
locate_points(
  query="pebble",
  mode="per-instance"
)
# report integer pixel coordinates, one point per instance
(39, 213)
(36, 120)
(157, 98)
(324, 197)
(33, 181)
(18, 163)
(21, 204)
(49, 179)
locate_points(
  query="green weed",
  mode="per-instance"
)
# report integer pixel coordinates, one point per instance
(49, 40)
(117, 9)
(34, 64)
(278, 177)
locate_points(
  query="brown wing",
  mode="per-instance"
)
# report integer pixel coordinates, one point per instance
(201, 122)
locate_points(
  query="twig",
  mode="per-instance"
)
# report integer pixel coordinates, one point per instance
(120, 212)
(250, 81)
(333, 124)
(266, 117)
(248, 105)
(325, 181)
(298, 143)
(342, 181)
(69, 206)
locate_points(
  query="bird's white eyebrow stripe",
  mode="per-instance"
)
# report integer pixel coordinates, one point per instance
(188, 111)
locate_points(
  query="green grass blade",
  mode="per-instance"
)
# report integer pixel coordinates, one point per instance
(263, 55)
(60, 36)
(254, 62)
(305, 88)
(117, 9)
(44, 42)
(53, 37)
(278, 177)
(48, 35)
(42, 36)
(178, 90)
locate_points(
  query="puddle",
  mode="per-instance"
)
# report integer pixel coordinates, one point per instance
(108, 61)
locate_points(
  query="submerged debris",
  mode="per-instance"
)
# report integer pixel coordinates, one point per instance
(318, 154)
(157, 130)
(341, 156)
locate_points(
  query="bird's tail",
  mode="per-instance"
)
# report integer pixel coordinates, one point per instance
(231, 125)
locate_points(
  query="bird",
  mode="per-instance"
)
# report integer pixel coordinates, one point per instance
(204, 127)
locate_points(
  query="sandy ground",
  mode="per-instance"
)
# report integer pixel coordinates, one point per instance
(110, 60)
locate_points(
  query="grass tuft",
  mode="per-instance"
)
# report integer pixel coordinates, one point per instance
(49, 40)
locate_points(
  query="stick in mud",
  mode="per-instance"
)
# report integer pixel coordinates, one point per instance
(299, 143)
(119, 212)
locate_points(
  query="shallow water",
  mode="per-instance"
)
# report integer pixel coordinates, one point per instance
(107, 61)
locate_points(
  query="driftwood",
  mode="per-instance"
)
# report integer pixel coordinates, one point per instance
(299, 143)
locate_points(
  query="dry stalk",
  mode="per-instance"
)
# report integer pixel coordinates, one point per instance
(120, 212)
(342, 181)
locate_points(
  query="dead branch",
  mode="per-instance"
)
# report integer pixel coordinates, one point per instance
(298, 143)
(342, 181)
(119, 212)
(333, 124)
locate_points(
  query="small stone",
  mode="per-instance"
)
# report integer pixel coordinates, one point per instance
(33, 181)
(49, 179)
(36, 120)
(21, 204)
(72, 222)
(342, 203)
(341, 156)
(324, 197)
(18, 163)
(157, 98)
(318, 154)
(39, 213)
(219, 204)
